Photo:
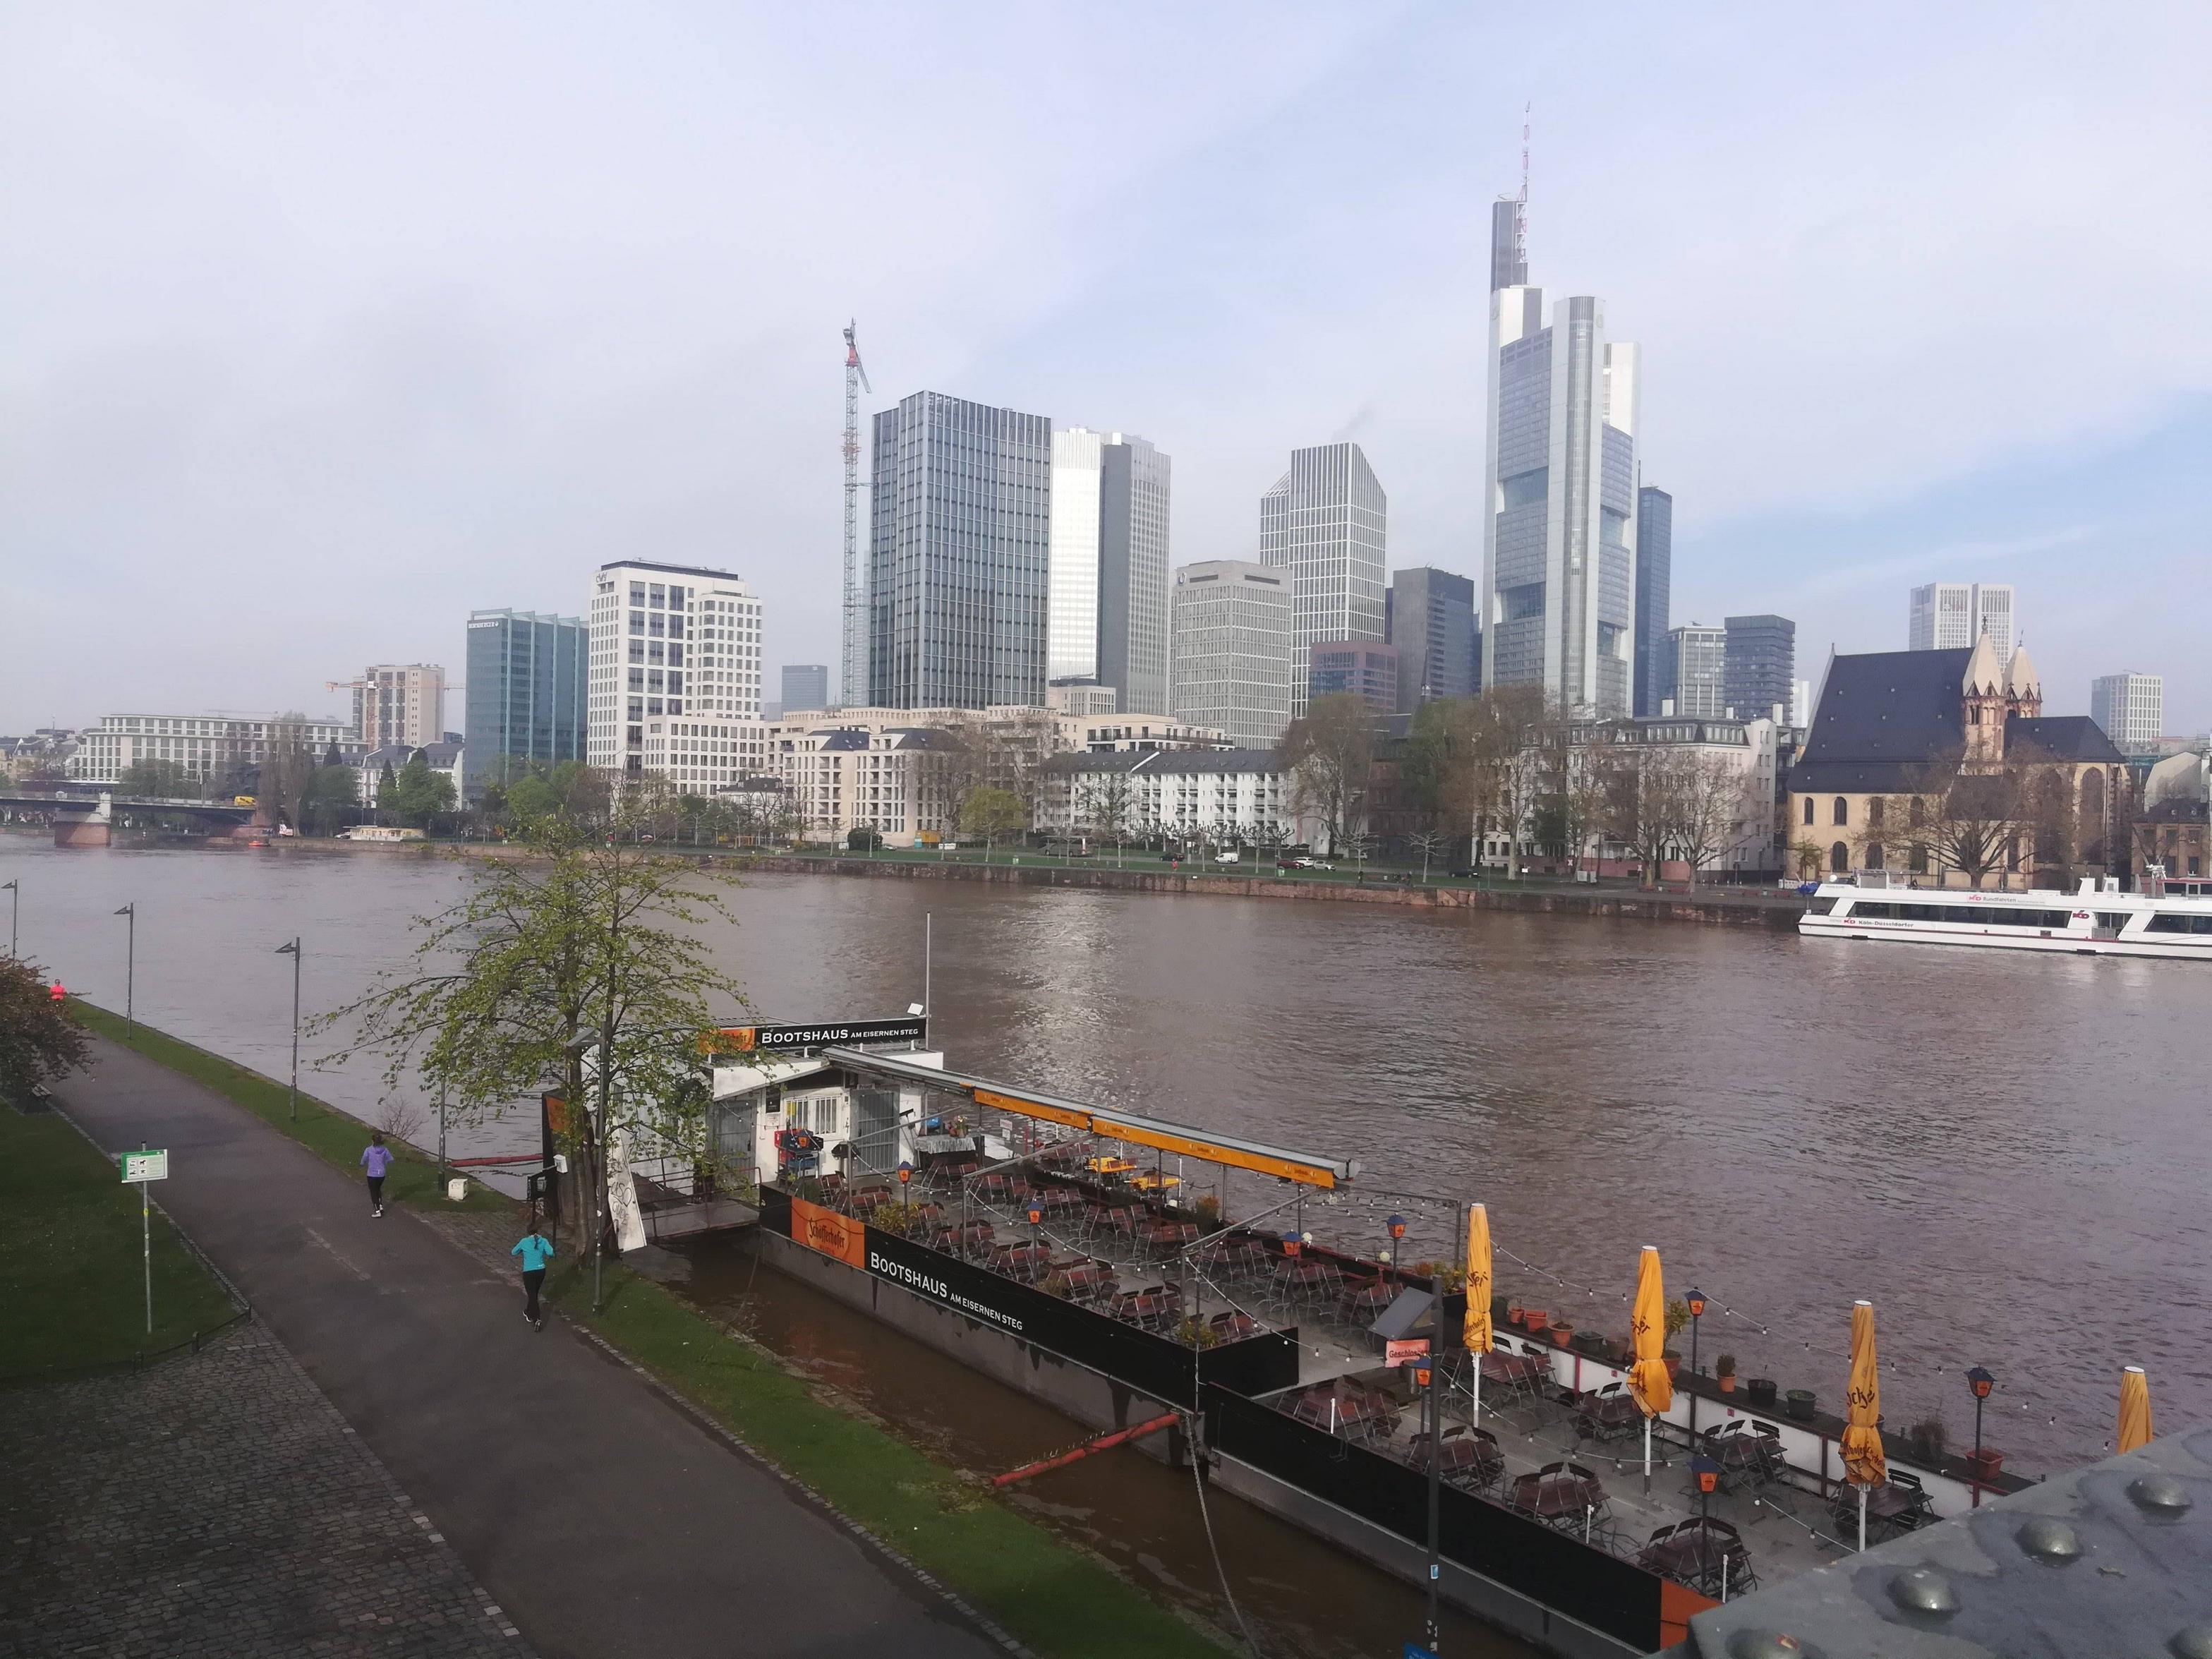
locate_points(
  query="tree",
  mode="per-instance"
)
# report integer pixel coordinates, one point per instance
(864, 838)
(593, 949)
(1968, 821)
(418, 793)
(387, 790)
(1807, 855)
(992, 813)
(161, 780)
(40, 1039)
(1329, 754)
(1704, 805)
(288, 764)
(1104, 804)
(332, 797)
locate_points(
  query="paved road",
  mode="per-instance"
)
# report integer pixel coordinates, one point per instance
(601, 1518)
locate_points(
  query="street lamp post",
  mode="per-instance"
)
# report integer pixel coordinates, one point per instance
(1981, 1382)
(131, 971)
(15, 910)
(1396, 1224)
(293, 951)
(1695, 1302)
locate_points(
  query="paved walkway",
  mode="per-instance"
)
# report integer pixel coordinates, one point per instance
(605, 1521)
(215, 1504)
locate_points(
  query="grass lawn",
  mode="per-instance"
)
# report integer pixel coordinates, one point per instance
(334, 1137)
(1056, 1599)
(72, 1274)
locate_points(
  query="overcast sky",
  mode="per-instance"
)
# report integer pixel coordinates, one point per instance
(321, 325)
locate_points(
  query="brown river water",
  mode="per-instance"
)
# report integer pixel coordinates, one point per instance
(2007, 1153)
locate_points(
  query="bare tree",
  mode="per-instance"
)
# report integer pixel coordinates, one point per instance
(1706, 803)
(1104, 804)
(1432, 842)
(1329, 754)
(1970, 822)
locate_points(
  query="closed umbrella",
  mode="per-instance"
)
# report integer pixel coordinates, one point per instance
(1862, 1458)
(1649, 1381)
(2135, 1409)
(1476, 1328)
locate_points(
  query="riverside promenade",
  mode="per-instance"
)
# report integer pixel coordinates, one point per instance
(603, 1521)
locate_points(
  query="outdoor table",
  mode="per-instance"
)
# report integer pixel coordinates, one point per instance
(1890, 1509)
(1300, 1271)
(1610, 1416)
(1368, 1297)
(1559, 1495)
(1149, 1182)
(1474, 1455)
(1172, 1233)
(1499, 1366)
(1695, 1552)
(1744, 1454)
(1342, 1410)
(1108, 1166)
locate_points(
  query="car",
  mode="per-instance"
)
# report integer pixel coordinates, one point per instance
(1305, 863)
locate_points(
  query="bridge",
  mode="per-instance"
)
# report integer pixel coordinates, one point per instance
(87, 819)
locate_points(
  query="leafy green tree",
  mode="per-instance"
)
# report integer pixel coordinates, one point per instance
(387, 790)
(40, 1039)
(332, 798)
(161, 780)
(581, 974)
(419, 793)
(531, 798)
(992, 813)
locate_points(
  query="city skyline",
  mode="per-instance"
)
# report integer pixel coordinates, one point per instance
(313, 385)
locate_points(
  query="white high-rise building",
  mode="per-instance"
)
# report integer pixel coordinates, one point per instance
(1952, 615)
(2131, 707)
(1562, 475)
(399, 703)
(1108, 584)
(1700, 675)
(1326, 521)
(1232, 650)
(673, 680)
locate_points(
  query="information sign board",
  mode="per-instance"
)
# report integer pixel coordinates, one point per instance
(1405, 1351)
(144, 1166)
(746, 1039)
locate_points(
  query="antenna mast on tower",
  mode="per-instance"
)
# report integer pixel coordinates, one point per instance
(1521, 213)
(853, 673)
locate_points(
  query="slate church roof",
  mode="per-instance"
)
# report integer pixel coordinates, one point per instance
(2062, 737)
(1883, 714)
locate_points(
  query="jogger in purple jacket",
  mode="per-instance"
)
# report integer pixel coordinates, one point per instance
(376, 1159)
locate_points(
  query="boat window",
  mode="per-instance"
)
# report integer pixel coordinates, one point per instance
(2174, 921)
(1978, 915)
(2114, 919)
(1822, 907)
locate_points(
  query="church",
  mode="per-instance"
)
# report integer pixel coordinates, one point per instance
(1897, 744)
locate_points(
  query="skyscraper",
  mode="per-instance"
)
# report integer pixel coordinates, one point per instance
(1362, 667)
(673, 682)
(1760, 672)
(399, 703)
(1429, 615)
(525, 696)
(805, 685)
(959, 546)
(1231, 656)
(1654, 578)
(1698, 680)
(1558, 536)
(1109, 605)
(1952, 615)
(1326, 521)
(2129, 707)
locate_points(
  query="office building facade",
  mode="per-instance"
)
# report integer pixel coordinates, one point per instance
(1327, 523)
(959, 554)
(1559, 531)
(1429, 617)
(673, 674)
(1699, 675)
(1952, 615)
(1108, 584)
(1654, 580)
(1362, 667)
(1760, 674)
(399, 703)
(2131, 707)
(207, 746)
(805, 685)
(524, 698)
(1231, 657)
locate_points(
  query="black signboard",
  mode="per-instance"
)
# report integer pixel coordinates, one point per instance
(836, 1033)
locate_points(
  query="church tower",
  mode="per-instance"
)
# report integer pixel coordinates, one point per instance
(2024, 686)
(1987, 699)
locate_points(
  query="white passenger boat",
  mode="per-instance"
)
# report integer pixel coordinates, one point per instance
(2096, 919)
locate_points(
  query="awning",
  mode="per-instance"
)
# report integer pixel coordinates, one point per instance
(1286, 1164)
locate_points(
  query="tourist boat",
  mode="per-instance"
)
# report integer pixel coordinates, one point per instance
(2097, 919)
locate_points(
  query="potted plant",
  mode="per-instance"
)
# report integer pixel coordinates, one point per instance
(1725, 1372)
(1534, 1321)
(1985, 1463)
(1590, 1344)
(1801, 1403)
(1501, 1309)
(1513, 1310)
(1209, 1211)
(1926, 1439)
(1562, 1333)
(1761, 1390)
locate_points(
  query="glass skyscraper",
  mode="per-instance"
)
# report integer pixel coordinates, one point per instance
(1655, 577)
(525, 697)
(1430, 618)
(958, 556)
(1761, 672)
(1326, 521)
(1109, 566)
(1559, 534)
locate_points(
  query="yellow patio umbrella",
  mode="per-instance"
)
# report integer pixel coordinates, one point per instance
(1863, 1456)
(1648, 1380)
(1476, 1326)
(2135, 1409)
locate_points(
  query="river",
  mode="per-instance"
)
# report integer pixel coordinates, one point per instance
(2007, 1153)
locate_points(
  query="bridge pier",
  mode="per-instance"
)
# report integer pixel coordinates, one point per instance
(85, 825)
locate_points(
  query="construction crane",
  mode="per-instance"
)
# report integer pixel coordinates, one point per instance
(853, 677)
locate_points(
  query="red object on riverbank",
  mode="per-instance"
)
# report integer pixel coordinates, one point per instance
(1104, 1442)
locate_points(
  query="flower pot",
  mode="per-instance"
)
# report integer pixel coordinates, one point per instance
(1673, 1363)
(1501, 1310)
(1563, 1333)
(1728, 1382)
(1534, 1320)
(1800, 1406)
(1985, 1463)
(1590, 1344)
(1514, 1312)
(1761, 1390)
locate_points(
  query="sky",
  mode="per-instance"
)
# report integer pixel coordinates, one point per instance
(321, 326)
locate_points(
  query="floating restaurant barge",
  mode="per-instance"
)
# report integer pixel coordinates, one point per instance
(1041, 1254)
